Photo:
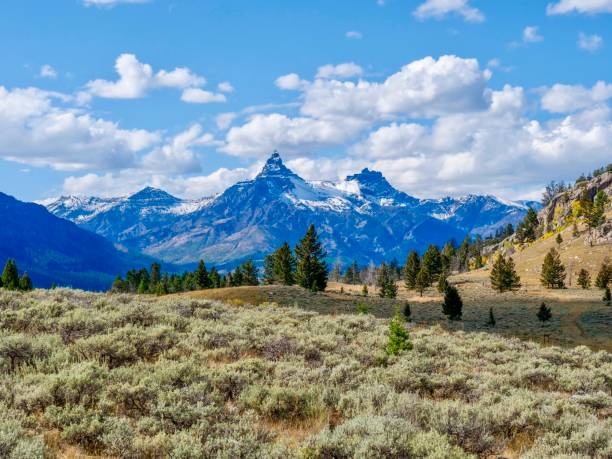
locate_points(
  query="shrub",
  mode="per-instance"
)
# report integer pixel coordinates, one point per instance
(399, 340)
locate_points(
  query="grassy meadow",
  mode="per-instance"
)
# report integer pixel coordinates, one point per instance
(100, 375)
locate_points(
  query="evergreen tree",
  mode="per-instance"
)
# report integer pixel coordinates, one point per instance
(202, 279)
(497, 273)
(544, 313)
(553, 271)
(10, 275)
(491, 322)
(527, 230)
(237, 277)
(362, 308)
(407, 312)
(422, 280)
(559, 239)
(284, 265)
(311, 271)
(463, 253)
(443, 282)
(155, 275)
(394, 269)
(118, 285)
(249, 273)
(386, 284)
(453, 305)
(604, 276)
(448, 253)
(215, 279)
(25, 283)
(142, 287)
(584, 279)
(503, 274)
(364, 290)
(411, 269)
(432, 260)
(399, 339)
(511, 278)
(268, 269)
(575, 232)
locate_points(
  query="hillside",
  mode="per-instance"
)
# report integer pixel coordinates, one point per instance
(54, 250)
(362, 217)
(130, 376)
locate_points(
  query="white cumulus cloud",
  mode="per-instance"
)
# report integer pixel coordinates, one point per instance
(345, 70)
(579, 6)
(590, 43)
(440, 9)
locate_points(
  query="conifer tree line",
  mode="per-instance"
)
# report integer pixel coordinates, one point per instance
(11, 280)
(305, 266)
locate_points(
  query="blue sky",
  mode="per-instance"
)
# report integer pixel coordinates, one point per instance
(443, 96)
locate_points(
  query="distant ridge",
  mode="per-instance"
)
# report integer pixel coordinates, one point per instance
(55, 250)
(362, 217)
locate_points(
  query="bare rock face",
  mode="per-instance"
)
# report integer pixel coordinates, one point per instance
(600, 236)
(560, 207)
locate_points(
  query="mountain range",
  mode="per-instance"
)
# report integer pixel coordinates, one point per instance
(362, 218)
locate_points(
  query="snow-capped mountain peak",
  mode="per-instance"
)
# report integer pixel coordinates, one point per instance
(275, 167)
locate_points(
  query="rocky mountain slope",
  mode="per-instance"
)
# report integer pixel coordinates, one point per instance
(361, 217)
(52, 249)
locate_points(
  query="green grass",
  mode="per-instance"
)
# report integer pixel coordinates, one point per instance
(129, 376)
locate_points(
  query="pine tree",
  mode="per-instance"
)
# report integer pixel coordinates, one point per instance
(364, 290)
(553, 271)
(386, 284)
(497, 273)
(453, 305)
(411, 269)
(575, 232)
(422, 280)
(161, 288)
(544, 313)
(268, 269)
(527, 230)
(284, 265)
(432, 261)
(25, 283)
(399, 339)
(362, 308)
(10, 276)
(311, 271)
(448, 253)
(215, 279)
(604, 276)
(559, 239)
(237, 277)
(584, 279)
(407, 312)
(202, 279)
(118, 285)
(512, 280)
(142, 287)
(443, 282)
(155, 275)
(491, 322)
(249, 273)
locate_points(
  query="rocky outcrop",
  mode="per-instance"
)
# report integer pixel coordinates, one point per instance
(555, 214)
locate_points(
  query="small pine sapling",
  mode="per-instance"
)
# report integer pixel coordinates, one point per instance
(399, 339)
(544, 313)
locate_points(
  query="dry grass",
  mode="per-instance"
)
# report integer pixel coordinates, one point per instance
(579, 316)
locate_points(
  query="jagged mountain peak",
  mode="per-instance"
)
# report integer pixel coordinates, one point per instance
(153, 195)
(373, 183)
(275, 167)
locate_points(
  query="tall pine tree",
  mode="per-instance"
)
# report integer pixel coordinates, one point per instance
(249, 273)
(432, 260)
(553, 271)
(311, 269)
(10, 275)
(386, 284)
(202, 279)
(453, 305)
(411, 269)
(284, 265)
